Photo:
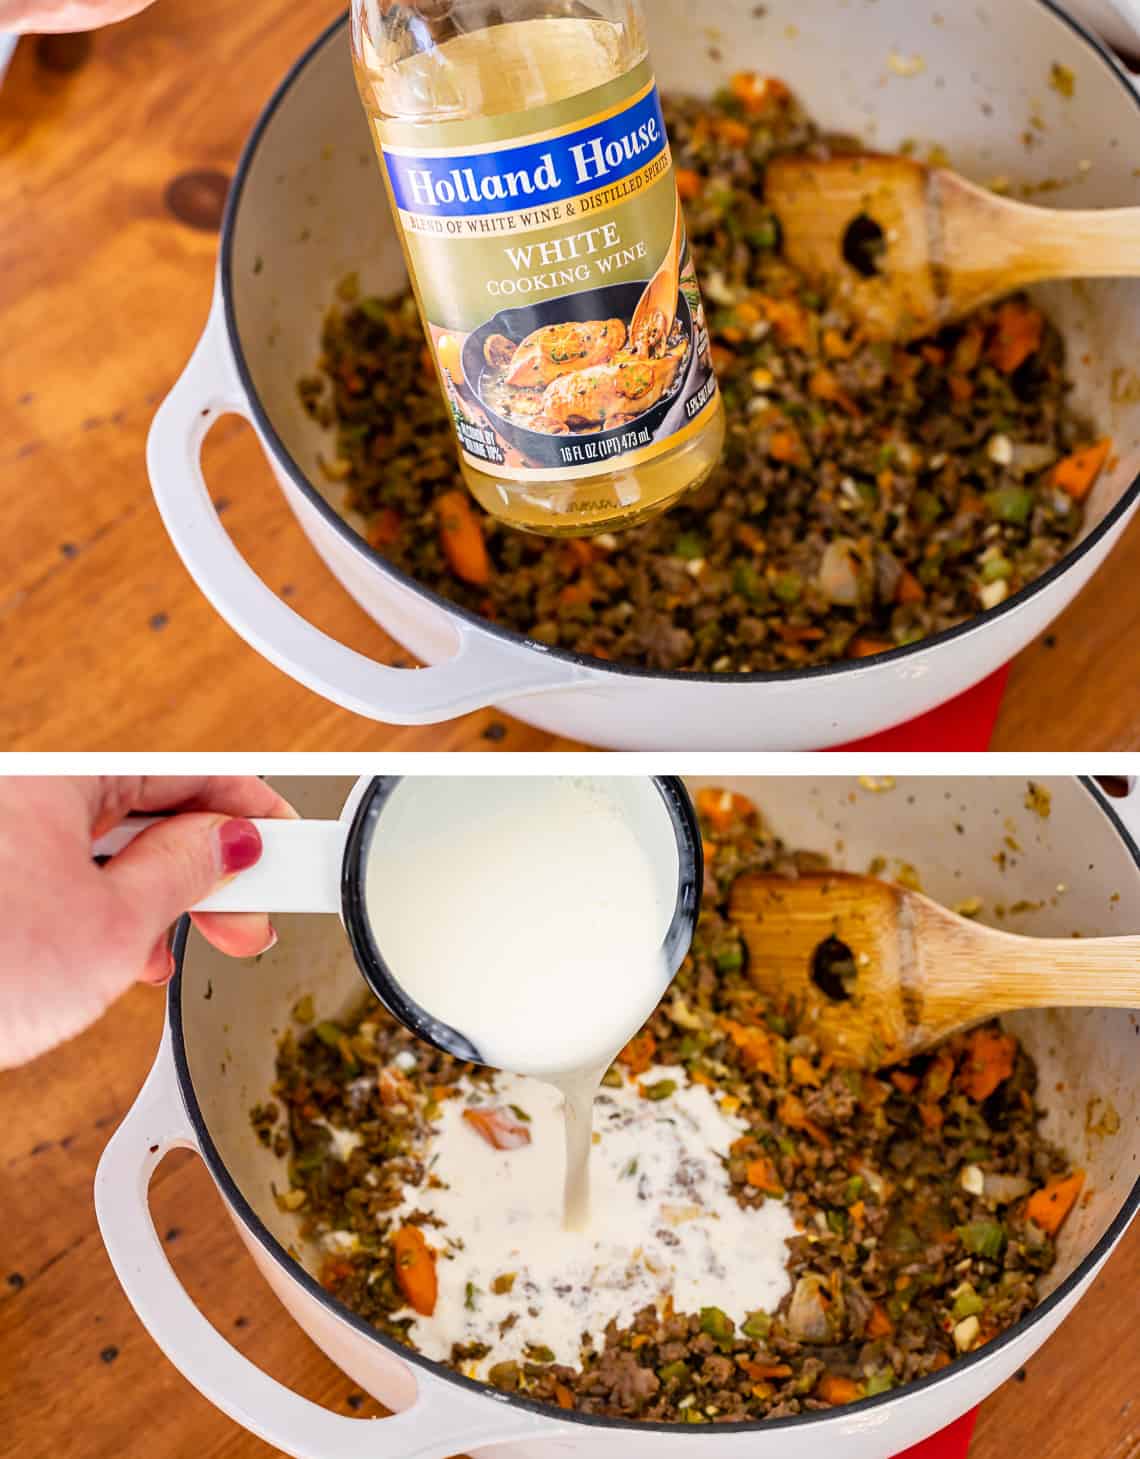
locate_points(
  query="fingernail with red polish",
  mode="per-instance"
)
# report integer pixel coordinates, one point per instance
(240, 843)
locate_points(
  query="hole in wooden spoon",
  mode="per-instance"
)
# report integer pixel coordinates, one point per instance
(864, 246)
(1117, 786)
(833, 969)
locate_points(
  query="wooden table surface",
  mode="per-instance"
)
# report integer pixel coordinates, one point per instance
(117, 149)
(81, 1379)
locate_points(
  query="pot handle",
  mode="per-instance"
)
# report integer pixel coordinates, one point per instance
(483, 671)
(442, 1421)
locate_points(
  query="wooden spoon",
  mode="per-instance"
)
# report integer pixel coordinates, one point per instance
(927, 245)
(657, 308)
(881, 973)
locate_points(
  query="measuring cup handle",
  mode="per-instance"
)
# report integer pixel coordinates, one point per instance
(299, 870)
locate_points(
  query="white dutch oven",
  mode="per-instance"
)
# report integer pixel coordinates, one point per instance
(307, 207)
(217, 1058)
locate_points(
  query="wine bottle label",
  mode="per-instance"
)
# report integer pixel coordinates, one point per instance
(549, 256)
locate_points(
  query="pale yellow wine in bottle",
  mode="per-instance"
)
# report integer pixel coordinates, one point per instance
(527, 163)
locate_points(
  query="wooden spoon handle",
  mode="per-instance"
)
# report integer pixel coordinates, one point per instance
(1031, 244)
(970, 971)
(1097, 244)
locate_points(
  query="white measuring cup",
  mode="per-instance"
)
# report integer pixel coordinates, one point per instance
(319, 866)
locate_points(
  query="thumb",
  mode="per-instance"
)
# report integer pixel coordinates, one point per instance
(174, 865)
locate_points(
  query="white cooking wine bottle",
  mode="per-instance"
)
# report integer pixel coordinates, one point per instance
(526, 160)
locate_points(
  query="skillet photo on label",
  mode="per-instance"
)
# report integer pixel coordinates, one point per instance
(550, 374)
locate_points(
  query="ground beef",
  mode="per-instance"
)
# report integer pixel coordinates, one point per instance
(868, 496)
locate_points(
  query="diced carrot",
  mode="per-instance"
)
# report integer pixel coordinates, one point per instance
(799, 632)
(461, 538)
(933, 355)
(747, 312)
(723, 359)
(879, 1324)
(904, 1082)
(578, 594)
(857, 1210)
(637, 1056)
(754, 1044)
(734, 133)
(961, 389)
(836, 346)
(698, 1076)
(757, 93)
(1076, 473)
(1018, 335)
(834, 1389)
(793, 1114)
(988, 1062)
(789, 319)
(564, 1396)
(864, 647)
(393, 1088)
(689, 184)
(415, 1269)
(759, 1372)
(440, 1092)
(721, 808)
(580, 552)
(750, 537)
(803, 1072)
(384, 527)
(824, 385)
(498, 1127)
(733, 333)
(909, 589)
(931, 1116)
(1048, 1207)
(785, 445)
(708, 850)
(762, 1174)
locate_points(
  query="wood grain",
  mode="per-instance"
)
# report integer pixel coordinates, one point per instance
(105, 643)
(81, 1379)
(949, 246)
(921, 972)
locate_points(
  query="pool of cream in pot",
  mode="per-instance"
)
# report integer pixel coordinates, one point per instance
(663, 1222)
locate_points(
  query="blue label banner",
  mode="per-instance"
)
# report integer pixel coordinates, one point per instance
(511, 178)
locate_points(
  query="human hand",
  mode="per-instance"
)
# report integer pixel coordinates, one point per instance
(19, 16)
(74, 935)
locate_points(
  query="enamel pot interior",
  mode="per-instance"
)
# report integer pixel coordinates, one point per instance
(309, 206)
(226, 1020)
